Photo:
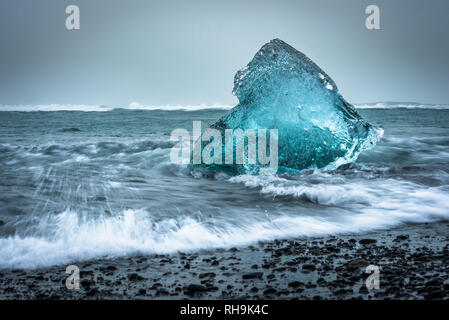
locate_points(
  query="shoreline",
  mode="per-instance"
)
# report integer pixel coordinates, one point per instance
(412, 259)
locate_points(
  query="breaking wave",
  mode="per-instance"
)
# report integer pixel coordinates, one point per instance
(70, 236)
(90, 108)
(138, 106)
(401, 105)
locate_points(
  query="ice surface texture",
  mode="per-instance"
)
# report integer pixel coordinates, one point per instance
(281, 88)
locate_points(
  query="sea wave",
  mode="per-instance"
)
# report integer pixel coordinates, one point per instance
(348, 205)
(138, 106)
(54, 107)
(96, 108)
(74, 194)
(341, 204)
(70, 236)
(337, 190)
(401, 105)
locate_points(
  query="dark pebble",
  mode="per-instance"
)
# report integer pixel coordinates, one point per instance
(193, 288)
(295, 284)
(402, 237)
(206, 275)
(142, 291)
(253, 275)
(270, 291)
(367, 241)
(134, 277)
(308, 266)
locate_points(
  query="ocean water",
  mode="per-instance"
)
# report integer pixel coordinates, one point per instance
(84, 182)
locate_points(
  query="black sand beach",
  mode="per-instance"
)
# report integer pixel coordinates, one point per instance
(413, 262)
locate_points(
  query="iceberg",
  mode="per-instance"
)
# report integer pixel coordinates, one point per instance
(281, 88)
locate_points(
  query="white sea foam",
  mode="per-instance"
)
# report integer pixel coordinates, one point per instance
(401, 105)
(54, 107)
(90, 108)
(391, 196)
(70, 236)
(139, 106)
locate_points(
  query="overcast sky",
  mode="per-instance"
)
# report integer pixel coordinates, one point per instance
(187, 51)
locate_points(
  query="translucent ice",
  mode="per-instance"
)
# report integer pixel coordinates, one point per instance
(283, 89)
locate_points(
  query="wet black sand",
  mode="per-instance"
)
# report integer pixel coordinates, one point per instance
(413, 262)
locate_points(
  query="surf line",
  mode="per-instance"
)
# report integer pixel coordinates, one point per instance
(254, 152)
